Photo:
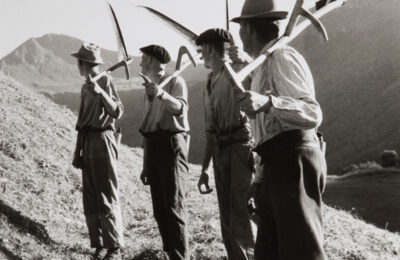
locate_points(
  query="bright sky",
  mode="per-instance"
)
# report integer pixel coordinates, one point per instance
(90, 20)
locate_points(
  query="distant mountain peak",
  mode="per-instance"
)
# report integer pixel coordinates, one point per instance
(46, 62)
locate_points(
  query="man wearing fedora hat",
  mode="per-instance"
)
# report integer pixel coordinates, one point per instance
(228, 145)
(286, 114)
(165, 159)
(96, 154)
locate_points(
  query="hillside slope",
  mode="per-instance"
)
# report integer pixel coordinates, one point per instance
(42, 195)
(373, 194)
(40, 205)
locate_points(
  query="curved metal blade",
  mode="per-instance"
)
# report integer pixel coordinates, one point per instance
(317, 23)
(187, 34)
(227, 14)
(182, 51)
(118, 33)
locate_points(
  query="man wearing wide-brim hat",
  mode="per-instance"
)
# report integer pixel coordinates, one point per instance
(228, 145)
(292, 172)
(96, 154)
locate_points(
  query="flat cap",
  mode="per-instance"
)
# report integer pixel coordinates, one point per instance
(214, 35)
(158, 52)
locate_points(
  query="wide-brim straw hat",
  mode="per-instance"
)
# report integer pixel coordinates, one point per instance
(275, 9)
(89, 52)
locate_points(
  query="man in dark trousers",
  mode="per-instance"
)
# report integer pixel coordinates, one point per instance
(165, 163)
(282, 100)
(96, 154)
(228, 144)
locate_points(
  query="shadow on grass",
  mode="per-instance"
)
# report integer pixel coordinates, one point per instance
(148, 254)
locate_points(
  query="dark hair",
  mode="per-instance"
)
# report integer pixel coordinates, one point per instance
(265, 28)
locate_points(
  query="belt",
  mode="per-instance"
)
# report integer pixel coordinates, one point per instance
(288, 139)
(232, 136)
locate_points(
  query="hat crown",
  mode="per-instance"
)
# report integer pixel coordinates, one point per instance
(89, 52)
(254, 7)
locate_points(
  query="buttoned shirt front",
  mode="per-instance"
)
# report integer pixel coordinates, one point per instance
(222, 114)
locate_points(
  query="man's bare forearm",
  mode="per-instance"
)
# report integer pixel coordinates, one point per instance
(173, 105)
(207, 155)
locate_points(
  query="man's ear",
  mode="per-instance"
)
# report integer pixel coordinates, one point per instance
(151, 60)
(210, 49)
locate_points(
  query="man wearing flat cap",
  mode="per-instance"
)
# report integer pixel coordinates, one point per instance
(165, 160)
(96, 154)
(228, 145)
(282, 100)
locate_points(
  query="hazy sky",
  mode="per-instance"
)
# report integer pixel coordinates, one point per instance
(89, 20)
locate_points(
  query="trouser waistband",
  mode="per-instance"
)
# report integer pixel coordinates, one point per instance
(288, 139)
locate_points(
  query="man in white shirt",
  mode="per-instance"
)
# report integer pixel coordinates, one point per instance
(292, 169)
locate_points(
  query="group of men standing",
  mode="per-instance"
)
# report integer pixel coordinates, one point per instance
(263, 144)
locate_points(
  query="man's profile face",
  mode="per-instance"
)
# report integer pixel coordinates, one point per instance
(80, 67)
(244, 34)
(205, 51)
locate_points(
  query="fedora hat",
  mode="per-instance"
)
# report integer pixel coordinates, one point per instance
(89, 52)
(275, 9)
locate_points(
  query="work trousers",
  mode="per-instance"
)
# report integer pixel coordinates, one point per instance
(233, 170)
(290, 202)
(100, 190)
(167, 167)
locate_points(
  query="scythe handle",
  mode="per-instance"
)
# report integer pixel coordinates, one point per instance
(178, 72)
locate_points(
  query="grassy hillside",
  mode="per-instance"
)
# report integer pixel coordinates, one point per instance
(372, 194)
(40, 206)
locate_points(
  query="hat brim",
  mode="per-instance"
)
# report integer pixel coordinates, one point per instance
(279, 15)
(76, 55)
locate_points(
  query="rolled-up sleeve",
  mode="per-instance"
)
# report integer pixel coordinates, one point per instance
(117, 113)
(294, 104)
(180, 92)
